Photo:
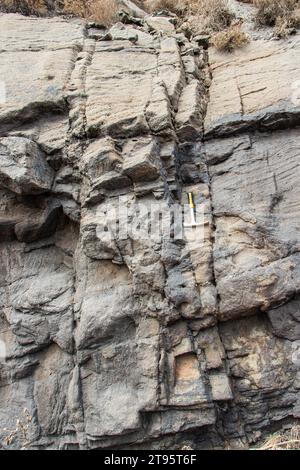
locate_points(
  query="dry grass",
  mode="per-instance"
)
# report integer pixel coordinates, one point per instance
(25, 7)
(284, 15)
(214, 14)
(268, 11)
(230, 39)
(174, 6)
(285, 440)
(205, 15)
(21, 433)
(212, 17)
(209, 15)
(200, 16)
(76, 8)
(102, 11)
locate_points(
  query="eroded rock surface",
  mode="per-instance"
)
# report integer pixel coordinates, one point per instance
(118, 338)
(255, 88)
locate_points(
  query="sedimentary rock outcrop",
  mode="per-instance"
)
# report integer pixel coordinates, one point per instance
(118, 338)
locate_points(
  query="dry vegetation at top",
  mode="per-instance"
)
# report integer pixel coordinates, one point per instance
(215, 16)
(25, 7)
(284, 440)
(211, 17)
(284, 15)
(104, 11)
(174, 6)
(230, 39)
(269, 11)
(198, 16)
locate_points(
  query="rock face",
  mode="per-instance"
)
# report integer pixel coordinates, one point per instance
(261, 88)
(24, 169)
(115, 335)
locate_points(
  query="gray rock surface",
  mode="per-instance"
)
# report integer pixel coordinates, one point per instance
(260, 82)
(114, 338)
(23, 167)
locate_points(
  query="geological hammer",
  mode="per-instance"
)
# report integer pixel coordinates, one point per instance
(192, 212)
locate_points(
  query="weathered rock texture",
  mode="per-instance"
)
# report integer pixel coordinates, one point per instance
(136, 341)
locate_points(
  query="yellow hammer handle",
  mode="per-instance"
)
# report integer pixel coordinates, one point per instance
(191, 201)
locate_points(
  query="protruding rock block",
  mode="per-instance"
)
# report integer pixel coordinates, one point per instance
(255, 195)
(102, 165)
(112, 180)
(285, 320)
(188, 119)
(121, 112)
(161, 25)
(98, 232)
(256, 88)
(158, 111)
(220, 387)
(37, 56)
(176, 420)
(100, 157)
(132, 8)
(170, 69)
(182, 291)
(141, 159)
(23, 167)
